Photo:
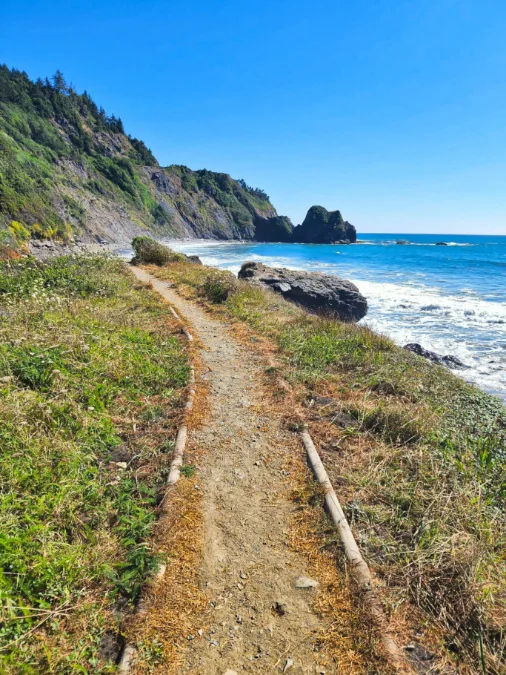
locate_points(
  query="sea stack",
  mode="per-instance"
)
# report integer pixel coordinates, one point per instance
(319, 227)
(324, 227)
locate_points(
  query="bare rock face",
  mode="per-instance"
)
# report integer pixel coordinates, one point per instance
(319, 293)
(163, 182)
(193, 259)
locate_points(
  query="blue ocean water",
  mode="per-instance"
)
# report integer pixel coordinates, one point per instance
(451, 299)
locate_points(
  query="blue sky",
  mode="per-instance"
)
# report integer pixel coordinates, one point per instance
(392, 111)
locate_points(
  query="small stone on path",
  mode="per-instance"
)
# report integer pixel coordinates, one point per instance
(306, 582)
(280, 608)
(288, 664)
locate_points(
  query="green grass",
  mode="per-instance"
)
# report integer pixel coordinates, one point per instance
(421, 467)
(91, 383)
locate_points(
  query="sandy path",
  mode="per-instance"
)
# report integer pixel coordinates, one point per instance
(248, 563)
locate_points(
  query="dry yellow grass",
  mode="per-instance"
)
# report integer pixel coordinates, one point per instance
(176, 604)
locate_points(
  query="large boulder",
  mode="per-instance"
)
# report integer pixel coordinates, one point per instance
(324, 227)
(316, 292)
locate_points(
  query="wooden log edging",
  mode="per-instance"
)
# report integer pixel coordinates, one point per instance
(359, 568)
(129, 650)
(182, 435)
(187, 334)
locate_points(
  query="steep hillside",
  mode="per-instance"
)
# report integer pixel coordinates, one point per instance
(67, 169)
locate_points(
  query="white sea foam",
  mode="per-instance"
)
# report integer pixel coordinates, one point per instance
(468, 308)
(468, 327)
(393, 242)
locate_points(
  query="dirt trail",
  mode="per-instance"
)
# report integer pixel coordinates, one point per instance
(248, 564)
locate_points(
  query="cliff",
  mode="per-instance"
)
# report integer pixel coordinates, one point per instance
(68, 170)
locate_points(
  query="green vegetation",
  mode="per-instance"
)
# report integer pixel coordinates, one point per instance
(217, 286)
(44, 126)
(149, 251)
(91, 383)
(417, 454)
(277, 228)
(241, 204)
(64, 163)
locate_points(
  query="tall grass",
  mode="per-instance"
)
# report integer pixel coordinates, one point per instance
(91, 382)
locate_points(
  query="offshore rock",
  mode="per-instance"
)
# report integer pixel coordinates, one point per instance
(324, 227)
(319, 293)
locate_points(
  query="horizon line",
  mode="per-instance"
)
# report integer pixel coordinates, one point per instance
(437, 234)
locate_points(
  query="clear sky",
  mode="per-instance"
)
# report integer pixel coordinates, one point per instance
(393, 111)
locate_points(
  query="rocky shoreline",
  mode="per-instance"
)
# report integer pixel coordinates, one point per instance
(46, 249)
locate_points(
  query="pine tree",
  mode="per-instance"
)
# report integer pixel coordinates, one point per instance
(59, 82)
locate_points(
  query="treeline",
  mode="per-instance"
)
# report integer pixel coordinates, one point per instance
(256, 192)
(43, 123)
(57, 100)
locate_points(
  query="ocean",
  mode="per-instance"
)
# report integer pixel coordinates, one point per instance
(450, 299)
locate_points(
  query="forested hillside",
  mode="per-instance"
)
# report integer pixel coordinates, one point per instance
(69, 169)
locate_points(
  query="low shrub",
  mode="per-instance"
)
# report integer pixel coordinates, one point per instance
(79, 276)
(149, 251)
(218, 286)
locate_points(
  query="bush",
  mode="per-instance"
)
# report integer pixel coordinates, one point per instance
(218, 286)
(149, 251)
(118, 171)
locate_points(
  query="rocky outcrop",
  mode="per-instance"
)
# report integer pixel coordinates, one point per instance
(319, 293)
(324, 227)
(319, 227)
(450, 361)
(163, 183)
(193, 259)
